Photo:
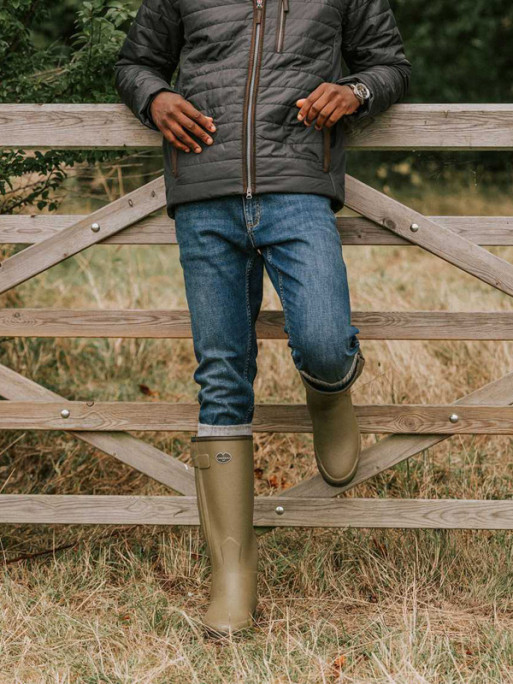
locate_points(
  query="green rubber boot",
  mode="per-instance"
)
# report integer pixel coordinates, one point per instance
(225, 489)
(336, 435)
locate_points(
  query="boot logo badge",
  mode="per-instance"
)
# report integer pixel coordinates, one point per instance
(223, 457)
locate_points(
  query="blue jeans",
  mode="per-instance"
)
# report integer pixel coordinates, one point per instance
(224, 245)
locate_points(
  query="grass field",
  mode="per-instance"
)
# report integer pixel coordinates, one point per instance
(121, 605)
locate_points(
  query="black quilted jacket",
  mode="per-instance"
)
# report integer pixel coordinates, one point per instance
(245, 63)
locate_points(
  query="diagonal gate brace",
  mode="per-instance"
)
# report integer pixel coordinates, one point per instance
(431, 236)
(84, 233)
(134, 452)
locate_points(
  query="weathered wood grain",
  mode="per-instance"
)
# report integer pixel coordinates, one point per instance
(162, 416)
(111, 219)
(298, 512)
(401, 127)
(160, 230)
(431, 236)
(166, 324)
(134, 452)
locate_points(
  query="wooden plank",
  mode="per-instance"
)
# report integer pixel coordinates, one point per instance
(111, 219)
(160, 230)
(395, 449)
(441, 126)
(169, 324)
(157, 229)
(401, 127)
(298, 512)
(430, 235)
(164, 416)
(127, 449)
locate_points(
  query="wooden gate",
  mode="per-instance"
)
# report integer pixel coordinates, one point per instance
(409, 429)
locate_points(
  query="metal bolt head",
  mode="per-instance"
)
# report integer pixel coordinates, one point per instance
(279, 510)
(414, 227)
(65, 413)
(95, 227)
(454, 418)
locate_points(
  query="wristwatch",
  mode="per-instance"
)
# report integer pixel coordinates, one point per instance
(362, 93)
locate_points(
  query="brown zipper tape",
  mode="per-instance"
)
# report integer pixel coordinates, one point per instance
(174, 160)
(280, 25)
(326, 132)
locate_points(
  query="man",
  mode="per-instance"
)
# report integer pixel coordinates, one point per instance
(254, 165)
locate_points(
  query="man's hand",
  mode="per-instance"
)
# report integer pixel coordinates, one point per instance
(328, 103)
(174, 116)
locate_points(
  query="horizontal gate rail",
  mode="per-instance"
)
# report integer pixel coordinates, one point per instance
(27, 229)
(294, 512)
(166, 416)
(401, 127)
(175, 324)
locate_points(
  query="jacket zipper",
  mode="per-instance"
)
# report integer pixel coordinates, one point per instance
(255, 56)
(280, 30)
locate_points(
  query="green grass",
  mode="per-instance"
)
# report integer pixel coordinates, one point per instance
(122, 604)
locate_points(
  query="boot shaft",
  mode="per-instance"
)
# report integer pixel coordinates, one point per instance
(224, 476)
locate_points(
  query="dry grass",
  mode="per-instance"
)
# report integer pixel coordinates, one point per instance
(122, 604)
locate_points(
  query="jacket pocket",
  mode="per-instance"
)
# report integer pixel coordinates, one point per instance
(326, 154)
(174, 160)
(280, 24)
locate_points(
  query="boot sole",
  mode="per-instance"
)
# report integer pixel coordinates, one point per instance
(211, 630)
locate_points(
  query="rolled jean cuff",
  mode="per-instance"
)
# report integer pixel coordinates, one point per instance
(205, 430)
(341, 385)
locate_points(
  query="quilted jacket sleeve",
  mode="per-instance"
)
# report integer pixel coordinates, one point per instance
(149, 56)
(373, 50)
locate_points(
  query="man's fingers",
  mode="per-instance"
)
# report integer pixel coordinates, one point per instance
(308, 103)
(323, 118)
(183, 136)
(192, 126)
(326, 104)
(198, 117)
(171, 137)
(317, 107)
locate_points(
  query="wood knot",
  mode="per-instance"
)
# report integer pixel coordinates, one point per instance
(389, 223)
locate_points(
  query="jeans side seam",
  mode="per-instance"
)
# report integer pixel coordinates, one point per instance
(249, 345)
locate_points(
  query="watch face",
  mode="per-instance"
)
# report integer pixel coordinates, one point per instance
(362, 91)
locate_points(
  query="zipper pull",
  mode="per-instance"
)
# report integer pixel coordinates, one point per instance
(259, 10)
(248, 194)
(285, 5)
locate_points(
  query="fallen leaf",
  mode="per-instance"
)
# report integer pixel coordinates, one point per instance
(144, 389)
(273, 482)
(339, 663)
